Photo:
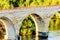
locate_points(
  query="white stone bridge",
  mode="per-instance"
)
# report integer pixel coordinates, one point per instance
(13, 18)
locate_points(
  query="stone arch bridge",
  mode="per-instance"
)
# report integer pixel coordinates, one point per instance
(13, 18)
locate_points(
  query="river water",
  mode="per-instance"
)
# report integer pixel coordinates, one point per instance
(55, 35)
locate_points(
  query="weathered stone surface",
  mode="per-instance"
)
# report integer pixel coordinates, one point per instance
(15, 17)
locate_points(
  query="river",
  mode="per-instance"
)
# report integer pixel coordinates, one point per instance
(55, 35)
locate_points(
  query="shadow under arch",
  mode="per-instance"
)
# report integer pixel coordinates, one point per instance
(54, 24)
(39, 23)
(9, 27)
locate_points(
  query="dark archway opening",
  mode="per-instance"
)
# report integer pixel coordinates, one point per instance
(7, 27)
(34, 22)
(28, 26)
(54, 25)
(35, 29)
(2, 30)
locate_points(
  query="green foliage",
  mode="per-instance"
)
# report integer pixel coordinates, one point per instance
(6, 4)
(27, 26)
(14, 3)
(55, 22)
(2, 30)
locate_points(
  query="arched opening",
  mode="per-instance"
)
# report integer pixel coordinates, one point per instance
(2, 30)
(54, 25)
(40, 26)
(8, 27)
(35, 27)
(28, 26)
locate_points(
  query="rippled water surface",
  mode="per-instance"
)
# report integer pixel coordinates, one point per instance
(51, 36)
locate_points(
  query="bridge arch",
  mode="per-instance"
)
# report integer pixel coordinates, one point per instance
(39, 22)
(9, 27)
(54, 24)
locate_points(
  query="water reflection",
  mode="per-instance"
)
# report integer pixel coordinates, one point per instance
(51, 36)
(27, 37)
(32, 38)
